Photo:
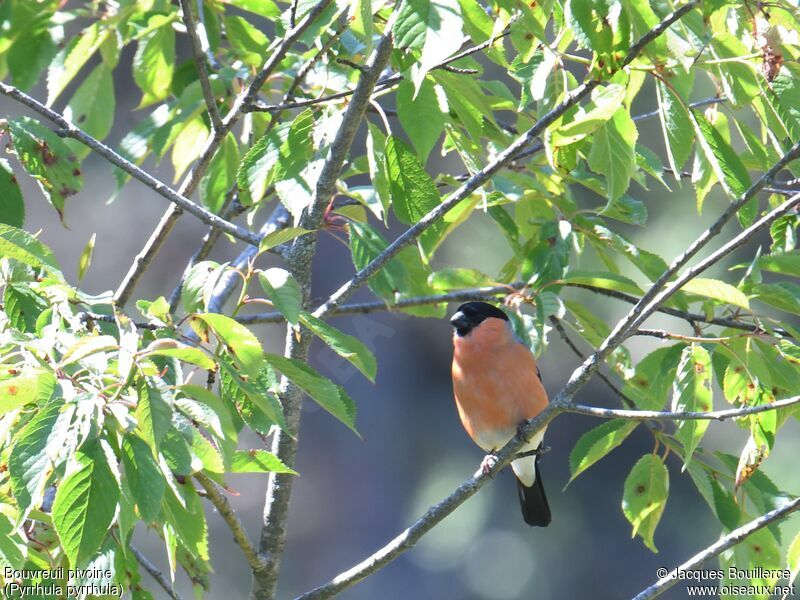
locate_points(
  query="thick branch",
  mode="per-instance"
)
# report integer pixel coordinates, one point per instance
(200, 63)
(484, 175)
(157, 575)
(276, 54)
(220, 502)
(717, 548)
(299, 260)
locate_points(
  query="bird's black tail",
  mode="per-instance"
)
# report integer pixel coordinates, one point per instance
(535, 509)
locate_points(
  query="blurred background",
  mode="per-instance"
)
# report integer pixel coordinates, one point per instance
(353, 495)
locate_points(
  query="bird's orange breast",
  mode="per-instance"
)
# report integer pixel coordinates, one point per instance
(495, 383)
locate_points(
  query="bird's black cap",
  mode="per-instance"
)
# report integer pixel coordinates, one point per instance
(472, 314)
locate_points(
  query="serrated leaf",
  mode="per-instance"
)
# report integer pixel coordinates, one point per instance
(283, 291)
(187, 145)
(194, 285)
(48, 159)
(346, 346)
(12, 205)
(723, 159)
(256, 169)
(605, 103)
(613, 153)
(187, 354)
(645, 496)
(324, 392)
(596, 443)
(691, 392)
(420, 115)
(277, 238)
(97, 90)
(412, 190)
(786, 263)
(154, 64)
(458, 278)
(653, 378)
(87, 346)
(221, 175)
(433, 27)
(85, 260)
(153, 414)
(70, 60)
(606, 281)
(143, 477)
(717, 290)
(258, 461)
(25, 389)
(85, 504)
(242, 345)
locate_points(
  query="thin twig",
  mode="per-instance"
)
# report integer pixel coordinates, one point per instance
(178, 198)
(717, 548)
(165, 225)
(484, 175)
(220, 502)
(200, 63)
(157, 575)
(658, 415)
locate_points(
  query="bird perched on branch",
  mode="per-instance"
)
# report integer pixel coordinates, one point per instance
(497, 386)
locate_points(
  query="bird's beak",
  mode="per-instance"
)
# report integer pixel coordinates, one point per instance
(459, 320)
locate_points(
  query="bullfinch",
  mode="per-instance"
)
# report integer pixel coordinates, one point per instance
(497, 386)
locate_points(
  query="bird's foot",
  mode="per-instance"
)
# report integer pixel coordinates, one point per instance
(542, 449)
(488, 463)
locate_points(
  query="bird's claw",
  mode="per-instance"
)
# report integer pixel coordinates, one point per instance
(488, 463)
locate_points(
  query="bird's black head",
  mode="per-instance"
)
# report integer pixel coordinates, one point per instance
(470, 315)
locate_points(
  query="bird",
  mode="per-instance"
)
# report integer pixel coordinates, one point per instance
(497, 385)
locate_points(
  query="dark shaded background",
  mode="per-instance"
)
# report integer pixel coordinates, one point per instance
(354, 495)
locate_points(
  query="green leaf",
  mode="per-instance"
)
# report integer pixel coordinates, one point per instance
(653, 378)
(249, 43)
(280, 237)
(613, 153)
(194, 285)
(787, 263)
(23, 307)
(606, 281)
(153, 413)
(85, 260)
(758, 553)
(12, 205)
(596, 443)
(25, 389)
(420, 115)
(324, 392)
(240, 342)
(605, 103)
(785, 95)
(186, 518)
(346, 346)
(187, 354)
(458, 278)
(283, 291)
(413, 192)
(723, 159)
(143, 477)
(433, 27)
(645, 496)
(717, 290)
(221, 175)
(97, 90)
(154, 64)
(187, 145)
(691, 392)
(48, 159)
(784, 295)
(87, 346)
(258, 461)
(256, 168)
(85, 504)
(70, 61)
(29, 464)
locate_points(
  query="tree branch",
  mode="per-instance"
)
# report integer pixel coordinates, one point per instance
(484, 175)
(658, 415)
(200, 63)
(192, 179)
(717, 548)
(299, 260)
(157, 575)
(433, 516)
(220, 502)
(177, 198)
